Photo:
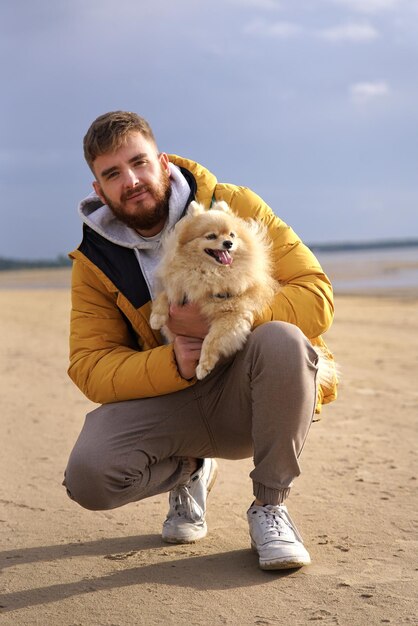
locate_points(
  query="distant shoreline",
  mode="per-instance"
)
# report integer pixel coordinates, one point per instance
(361, 246)
(36, 264)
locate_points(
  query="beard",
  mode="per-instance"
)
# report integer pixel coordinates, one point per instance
(149, 212)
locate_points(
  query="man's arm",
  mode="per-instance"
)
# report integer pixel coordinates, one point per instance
(306, 297)
(105, 362)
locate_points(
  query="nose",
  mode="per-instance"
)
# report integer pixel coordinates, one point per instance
(227, 244)
(131, 178)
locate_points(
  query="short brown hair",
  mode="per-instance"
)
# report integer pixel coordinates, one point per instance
(109, 131)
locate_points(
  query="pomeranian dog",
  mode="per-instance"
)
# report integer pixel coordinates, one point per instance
(222, 263)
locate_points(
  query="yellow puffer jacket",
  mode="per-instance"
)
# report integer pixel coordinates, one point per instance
(114, 353)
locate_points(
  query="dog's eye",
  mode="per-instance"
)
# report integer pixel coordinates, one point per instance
(211, 236)
(232, 235)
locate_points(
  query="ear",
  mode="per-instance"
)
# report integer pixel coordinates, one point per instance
(98, 191)
(195, 208)
(163, 157)
(221, 206)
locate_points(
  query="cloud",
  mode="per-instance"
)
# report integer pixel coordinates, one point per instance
(257, 4)
(280, 30)
(365, 92)
(369, 6)
(349, 32)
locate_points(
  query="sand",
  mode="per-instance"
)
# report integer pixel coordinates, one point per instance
(355, 503)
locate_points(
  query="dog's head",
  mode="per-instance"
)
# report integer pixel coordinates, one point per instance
(213, 235)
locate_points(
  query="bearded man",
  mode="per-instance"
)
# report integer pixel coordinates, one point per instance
(158, 429)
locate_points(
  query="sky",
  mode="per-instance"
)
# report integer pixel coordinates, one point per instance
(313, 104)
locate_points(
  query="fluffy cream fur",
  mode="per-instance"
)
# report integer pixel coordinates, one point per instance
(222, 263)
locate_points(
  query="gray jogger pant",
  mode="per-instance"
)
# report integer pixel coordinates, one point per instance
(260, 403)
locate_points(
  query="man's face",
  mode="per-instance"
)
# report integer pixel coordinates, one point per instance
(134, 181)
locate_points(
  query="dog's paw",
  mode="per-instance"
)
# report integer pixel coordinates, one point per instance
(202, 372)
(157, 320)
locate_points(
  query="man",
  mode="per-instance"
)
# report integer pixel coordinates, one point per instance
(159, 429)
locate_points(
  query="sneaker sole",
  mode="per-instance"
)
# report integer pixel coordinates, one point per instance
(186, 539)
(289, 562)
(197, 536)
(278, 565)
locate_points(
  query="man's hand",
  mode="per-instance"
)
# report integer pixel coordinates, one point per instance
(187, 352)
(187, 320)
(190, 327)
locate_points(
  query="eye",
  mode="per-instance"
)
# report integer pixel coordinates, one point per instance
(211, 236)
(232, 235)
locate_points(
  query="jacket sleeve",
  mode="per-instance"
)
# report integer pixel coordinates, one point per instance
(105, 360)
(305, 298)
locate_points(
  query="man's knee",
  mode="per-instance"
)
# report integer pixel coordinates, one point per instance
(274, 334)
(283, 344)
(87, 482)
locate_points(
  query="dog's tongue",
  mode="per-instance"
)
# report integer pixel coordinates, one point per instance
(223, 257)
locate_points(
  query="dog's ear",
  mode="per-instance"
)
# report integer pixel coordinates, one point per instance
(221, 205)
(195, 208)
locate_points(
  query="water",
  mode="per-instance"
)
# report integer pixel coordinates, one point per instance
(394, 269)
(372, 270)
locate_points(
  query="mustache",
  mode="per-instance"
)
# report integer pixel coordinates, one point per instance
(132, 192)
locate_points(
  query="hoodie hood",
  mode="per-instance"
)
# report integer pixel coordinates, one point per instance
(196, 182)
(101, 219)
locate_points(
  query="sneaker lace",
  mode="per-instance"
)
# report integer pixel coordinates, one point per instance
(277, 521)
(185, 505)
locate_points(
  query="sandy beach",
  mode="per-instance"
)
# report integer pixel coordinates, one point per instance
(355, 504)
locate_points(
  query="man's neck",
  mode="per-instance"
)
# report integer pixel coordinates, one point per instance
(155, 230)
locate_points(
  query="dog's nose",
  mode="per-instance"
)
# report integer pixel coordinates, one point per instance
(227, 244)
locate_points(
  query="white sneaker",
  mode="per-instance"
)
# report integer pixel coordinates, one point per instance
(185, 521)
(275, 537)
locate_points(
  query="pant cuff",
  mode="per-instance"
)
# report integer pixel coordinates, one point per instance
(267, 495)
(186, 470)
